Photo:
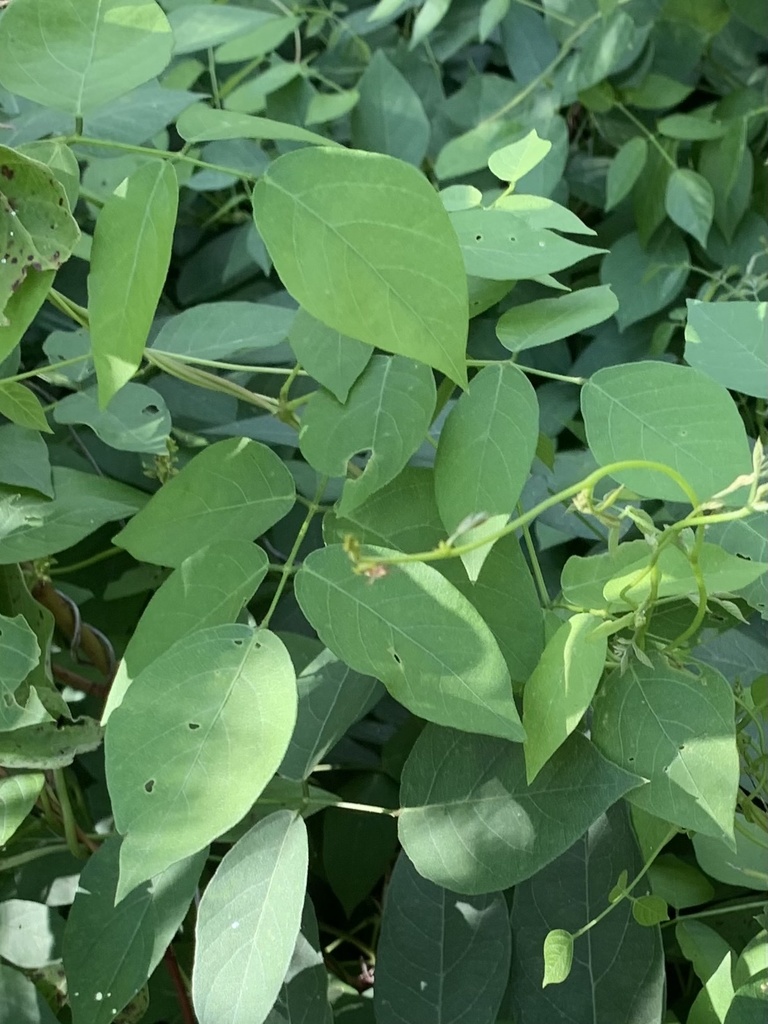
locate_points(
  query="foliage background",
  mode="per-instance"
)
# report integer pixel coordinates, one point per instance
(308, 770)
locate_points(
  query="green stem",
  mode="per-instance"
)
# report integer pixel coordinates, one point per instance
(647, 133)
(529, 369)
(203, 379)
(628, 888)
(45, 369)
(165, 154)
(67, 815)
(69, 308)
(532, 554)
(444, 393)
(215, 364)
(715, 911)
(101, 556)
(314, 508)
(20, 859)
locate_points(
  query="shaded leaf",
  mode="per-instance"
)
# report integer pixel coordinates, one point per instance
(441, 957)
(726, 340)
(333, 359)
(221, 330)
(24, 459)
(389, 117)
(645, 280)
(470, 821)
(690, 203)
(136, 419)
(625, 168)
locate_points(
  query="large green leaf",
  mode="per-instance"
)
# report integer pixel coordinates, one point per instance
(726, 340)
(486, 446)
(363, 224)
(547, 320)
(645, 279)
(670, 414)
(690, 203)
(333, 359)
(433, 948)
(561, 689)
(332, 697)
(470, 822)
(676, 729)
(413, 630)
(19, 653)
(18, 794)
(390, 117)
(198, 735)
(24, 459)
(746, 865)
(501, 245)
(109, 951)
(617, 975)
(76, 55)
(387, 412)
(129, 261)
(32, 526)
(248, 923)
(136, 419)
(219, 330)
(209, 588)
(235, 488)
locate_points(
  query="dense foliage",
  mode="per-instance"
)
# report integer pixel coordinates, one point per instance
(383, 511)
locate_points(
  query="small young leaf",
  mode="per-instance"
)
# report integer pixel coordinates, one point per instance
(18, 794)
(626, 167)
(22, 407)
(512, 162)
(129, 262)
(558, 957)
(649, 910)
(619, 890)
(690, 203)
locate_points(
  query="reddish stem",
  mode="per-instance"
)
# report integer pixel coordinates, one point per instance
(182, 995)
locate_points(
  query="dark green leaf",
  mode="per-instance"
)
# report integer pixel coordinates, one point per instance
(136, 419)
(390, 117)
(333, 359)
(24, 460)
(645, 280)
(726, 340)
(690, 203)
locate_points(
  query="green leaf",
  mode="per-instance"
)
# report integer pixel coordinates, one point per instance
(649, 910)
(744, 866)
(304, 993)
(85, 53)
(235, 488)
(198, 735)
(547, 320)
(484, 455)
(329, 106)
(657, 92)
(712, 1002)
(558, 957)
(333, 359)
(34, 527)
(221, 330)
(22, 307)
(20, 1000)
(726, 340)
(747, 539)
(129, 261)
(625, 168)
(358, 848)
(693, 127)
(18, 795)
(617, 974)
(583, 580)
(332, 697)
(726, 163)
(124, 944)
(433, 948)
(24, 460)
(136, 419)
(470, 822)
(387, 412)
(30, 933)
(259, 41)
(390, 117)
(49, 744)
(670, 414)
(251, 96)
(22, 407)
(491, 14)
(645, 280)
(441, 661)
(690, 203)
(429, 17)
(512, 162)
(676, 729)
(209, 588)
(702, 945)
(198, 26)
(749, 1001)
(679, 883)
(248, 922)
(561, 689)
(19, 653)
(500, 245)
(397, 249)
(202, 123)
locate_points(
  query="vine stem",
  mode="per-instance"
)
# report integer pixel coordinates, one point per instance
(164, 154)
(67, 814)
(172, 966)
(714, 911)
(314, 508)
(648, 135)
(529, 369)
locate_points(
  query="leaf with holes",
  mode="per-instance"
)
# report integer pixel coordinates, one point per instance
(136, 419)
(198, 735)
(415, 632)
